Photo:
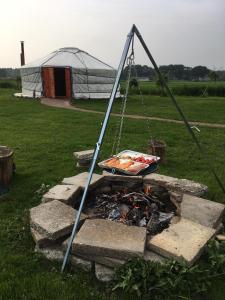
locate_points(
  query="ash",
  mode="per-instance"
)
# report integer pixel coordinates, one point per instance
(150, 207)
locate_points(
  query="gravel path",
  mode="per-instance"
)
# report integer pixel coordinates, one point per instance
(66, 104)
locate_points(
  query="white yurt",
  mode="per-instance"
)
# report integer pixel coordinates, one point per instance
(68, 73)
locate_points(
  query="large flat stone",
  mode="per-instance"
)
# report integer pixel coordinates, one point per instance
(81, 180)
(175, 184)
(42, 241)
(51, 253)
(62, 192)
(84, 155)
(111, 239)
(103, 260)
(183, 241)
(53, 219)
(55, 253)
(154, 257)
(84, 264)
(202, 211)
(114, 262)
(104, 273)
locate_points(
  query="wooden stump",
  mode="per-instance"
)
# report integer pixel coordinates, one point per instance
(158, 148)
(6, 165)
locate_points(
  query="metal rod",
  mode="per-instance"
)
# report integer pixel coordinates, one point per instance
(204, 155)
(98, 144)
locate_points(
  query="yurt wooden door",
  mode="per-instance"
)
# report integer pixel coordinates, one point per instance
(68, 83)
(57, 82)
(48, 82)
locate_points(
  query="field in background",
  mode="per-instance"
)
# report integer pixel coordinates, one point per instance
(207, 109)
(9, 83)
(44, 139)
(183, 88)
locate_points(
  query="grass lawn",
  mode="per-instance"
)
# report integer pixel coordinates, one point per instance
(44, 139)
(175, 83)
(210, 109)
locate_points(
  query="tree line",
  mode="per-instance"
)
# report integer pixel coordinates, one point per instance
(171, 72)
(9, 73)
(176, 72)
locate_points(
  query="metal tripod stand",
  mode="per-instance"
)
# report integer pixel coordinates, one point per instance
(129, 39)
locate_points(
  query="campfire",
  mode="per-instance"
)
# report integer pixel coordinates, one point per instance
(119, 211)
(149, 206)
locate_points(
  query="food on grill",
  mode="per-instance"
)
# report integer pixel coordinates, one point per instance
(137, 167)
(129, 162)
(119, 163)
(144, 160)
(113, 162)
(124, 155)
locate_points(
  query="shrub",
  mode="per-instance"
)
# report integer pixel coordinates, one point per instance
(173, 280)
(7, 85)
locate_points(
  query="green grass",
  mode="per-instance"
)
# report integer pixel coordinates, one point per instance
(185, 88)
(8, 83)
(210, 109)
(44, 139)
(176, 83)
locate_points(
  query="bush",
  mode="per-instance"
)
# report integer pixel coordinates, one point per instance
(173, 280)
(7, 84)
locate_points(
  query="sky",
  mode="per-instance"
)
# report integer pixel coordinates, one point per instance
(189, 32)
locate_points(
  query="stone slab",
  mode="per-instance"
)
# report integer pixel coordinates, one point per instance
(114, 262)
(104, 273)
(81, 180)
(84, 264)
(103, 260)
(83, 164)
(154, 257)
(202, 211)
(84, 155)
(55, 253)
(175, 184)
(53, 219)
(42, 240)
(111, 239)
(62, 192)
(51, 253)
(183, 241)
(108, 261)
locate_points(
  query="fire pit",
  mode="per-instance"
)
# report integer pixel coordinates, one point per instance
(144, 206)
(118, 212)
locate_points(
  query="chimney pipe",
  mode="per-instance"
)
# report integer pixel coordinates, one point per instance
(22, 55)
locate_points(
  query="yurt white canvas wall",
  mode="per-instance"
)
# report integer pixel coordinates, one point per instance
(68, 73)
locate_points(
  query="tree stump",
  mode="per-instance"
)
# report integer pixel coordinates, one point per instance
(6, 165)
(158, 148)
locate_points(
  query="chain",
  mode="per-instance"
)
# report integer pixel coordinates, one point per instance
(144, 105)
(130, 62)
(117, 138)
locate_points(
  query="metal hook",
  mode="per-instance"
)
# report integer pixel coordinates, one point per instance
(196, 128)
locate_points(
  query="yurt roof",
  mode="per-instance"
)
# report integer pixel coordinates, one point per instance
(69, 57)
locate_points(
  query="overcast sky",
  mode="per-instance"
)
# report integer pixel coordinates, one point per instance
(189, 32)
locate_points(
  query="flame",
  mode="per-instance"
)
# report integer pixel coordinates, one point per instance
(136, 206)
